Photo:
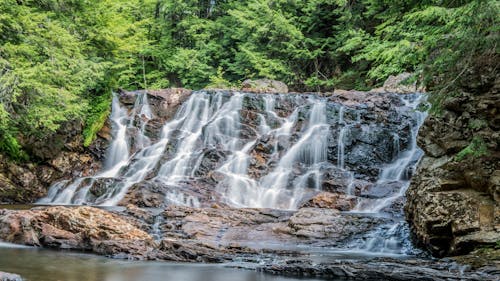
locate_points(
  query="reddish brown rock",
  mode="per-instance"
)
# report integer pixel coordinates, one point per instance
(329, 200)
(80, 228)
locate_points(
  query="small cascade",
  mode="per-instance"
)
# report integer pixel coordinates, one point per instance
(389, 239)
(340, 142)
(310, 149)
(178, 198)
(118, 157)
(399, 171)
(392, 238)
(119, 151)
(145, 114)
(156, 232)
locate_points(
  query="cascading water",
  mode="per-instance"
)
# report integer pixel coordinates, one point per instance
(310, 149)
(117, 159)
(263, 151)
(397, 171)
(392, 238)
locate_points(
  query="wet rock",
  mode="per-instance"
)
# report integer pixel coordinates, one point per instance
(212, 158)
(155, 194)
(374, 269)
(80, 228)
(227, 229)
(314, 223)
(4, 276)
(163, 104)
(101, 185)
(264, 86)
(364, 100)
(381, 190)
(335, 180)
(329, 200)
(145, 194)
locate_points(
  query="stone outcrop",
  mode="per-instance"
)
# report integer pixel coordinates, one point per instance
(401, 84)
(79, 228)
(264, 86)
(453, 201)
(27, 182)
(60, 155)
(330, 200)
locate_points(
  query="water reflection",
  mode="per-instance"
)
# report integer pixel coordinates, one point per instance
(45, 265)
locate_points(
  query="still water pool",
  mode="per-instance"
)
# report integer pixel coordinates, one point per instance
(46, 265)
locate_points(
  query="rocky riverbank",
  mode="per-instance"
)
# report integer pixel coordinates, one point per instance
(290, 243)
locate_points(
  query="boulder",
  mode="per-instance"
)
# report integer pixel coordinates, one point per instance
(329, 200)
(264, 86)
(399, 84)
(78, 228)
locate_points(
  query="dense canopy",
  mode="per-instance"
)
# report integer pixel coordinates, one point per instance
(59, 60)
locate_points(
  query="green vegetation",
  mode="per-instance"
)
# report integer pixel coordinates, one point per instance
(477, 124)
(99, 109)
(59, 60)
(476, 148)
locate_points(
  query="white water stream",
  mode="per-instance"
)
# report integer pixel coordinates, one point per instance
(213, 122)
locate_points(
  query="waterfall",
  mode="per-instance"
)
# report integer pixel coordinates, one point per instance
(118, 152)
(272, 151)
(340, 142)
(392, 238)
(310, 149)
(118, 159)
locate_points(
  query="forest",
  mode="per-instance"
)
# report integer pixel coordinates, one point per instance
(60, 60)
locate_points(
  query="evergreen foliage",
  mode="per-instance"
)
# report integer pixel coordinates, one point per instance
(59, 60)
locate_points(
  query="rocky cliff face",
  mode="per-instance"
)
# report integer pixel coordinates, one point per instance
(453, 201)
(60, 155)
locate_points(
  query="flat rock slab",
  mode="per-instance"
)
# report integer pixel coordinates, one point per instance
(229, 226)
(375, 269)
